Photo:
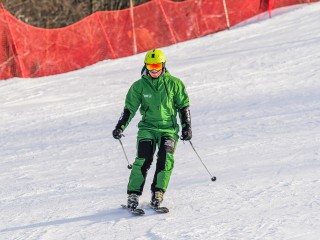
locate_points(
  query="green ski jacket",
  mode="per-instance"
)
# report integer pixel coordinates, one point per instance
(159, 100)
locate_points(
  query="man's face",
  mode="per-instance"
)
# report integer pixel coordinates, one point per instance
(155, 69)
(155, 73)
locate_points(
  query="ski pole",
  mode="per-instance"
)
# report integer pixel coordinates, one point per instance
(129, 165)
(213, 178)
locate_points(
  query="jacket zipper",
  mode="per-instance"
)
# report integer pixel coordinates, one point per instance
(145, 113)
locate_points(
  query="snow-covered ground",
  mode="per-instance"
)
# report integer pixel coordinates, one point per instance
(255, 105)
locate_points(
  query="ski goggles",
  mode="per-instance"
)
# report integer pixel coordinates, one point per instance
(154, 66)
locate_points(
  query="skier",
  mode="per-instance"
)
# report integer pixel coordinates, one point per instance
(160, 97)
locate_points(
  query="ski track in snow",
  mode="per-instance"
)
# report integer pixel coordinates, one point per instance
(254, 94)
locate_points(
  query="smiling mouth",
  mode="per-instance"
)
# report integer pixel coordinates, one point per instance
(154, 71)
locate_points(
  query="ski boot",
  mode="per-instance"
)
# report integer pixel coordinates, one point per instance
(133, 201)
(156, 199)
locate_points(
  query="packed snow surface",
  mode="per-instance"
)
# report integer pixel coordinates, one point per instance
(255, 106)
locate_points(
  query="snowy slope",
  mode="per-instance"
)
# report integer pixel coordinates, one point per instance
(255, 107)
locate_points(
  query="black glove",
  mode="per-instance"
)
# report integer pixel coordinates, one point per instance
(117, 133)
(186, 133)
(123, 121)
(186, 124)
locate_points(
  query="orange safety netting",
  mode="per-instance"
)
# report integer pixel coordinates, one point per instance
(28, 51)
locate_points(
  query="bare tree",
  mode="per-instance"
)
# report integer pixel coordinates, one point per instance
(61, 13)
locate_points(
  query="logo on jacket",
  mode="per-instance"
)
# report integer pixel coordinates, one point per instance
(147, 95)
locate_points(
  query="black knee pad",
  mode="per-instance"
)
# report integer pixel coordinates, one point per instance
(168, 144)
(145, 148)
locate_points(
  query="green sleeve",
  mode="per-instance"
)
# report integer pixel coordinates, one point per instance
(181, 99)
(133, 101)
(181, 96)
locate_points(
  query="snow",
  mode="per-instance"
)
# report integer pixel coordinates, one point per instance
(255, 107)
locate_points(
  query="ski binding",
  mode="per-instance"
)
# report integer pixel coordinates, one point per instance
(160, 209)
(136, 211)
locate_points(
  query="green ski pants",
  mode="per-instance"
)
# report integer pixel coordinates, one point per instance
(147, 141)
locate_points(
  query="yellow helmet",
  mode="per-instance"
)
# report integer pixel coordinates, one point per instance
(154, 56)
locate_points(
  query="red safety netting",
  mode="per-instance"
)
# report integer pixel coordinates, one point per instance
(239, 11)
(28, 51)
(8, 62)
(283, 3)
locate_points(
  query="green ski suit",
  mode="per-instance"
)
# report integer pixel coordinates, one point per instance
(159, 100)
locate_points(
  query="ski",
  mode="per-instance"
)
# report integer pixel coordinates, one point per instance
(139, 211)
(160, 209)
(136, 211)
